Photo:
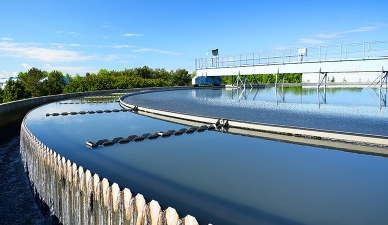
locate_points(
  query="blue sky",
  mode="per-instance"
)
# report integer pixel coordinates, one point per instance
(85, 36)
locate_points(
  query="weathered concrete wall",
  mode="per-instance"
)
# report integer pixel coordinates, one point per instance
(15, 111)
(11, 112)
(74, 196)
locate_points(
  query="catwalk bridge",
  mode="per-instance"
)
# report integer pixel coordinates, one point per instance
(321, 60)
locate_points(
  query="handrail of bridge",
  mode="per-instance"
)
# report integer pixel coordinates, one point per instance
(371, 50)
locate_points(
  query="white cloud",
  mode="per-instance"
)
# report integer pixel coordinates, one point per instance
(4, 74)
(125, 62)
(132, 35)
(156, 50)
(357, 30)
(25, 65)
(32, 52)
(6, 39)
(74, 33)
(311, 41)
(131, 56)
(122, 46)
(323, 38)
(106, 26)
(60, 45)
(71, 69)
(143, 50)
(110, 57)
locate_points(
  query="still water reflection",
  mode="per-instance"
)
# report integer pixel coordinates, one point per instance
(345, 109)
(222, 178)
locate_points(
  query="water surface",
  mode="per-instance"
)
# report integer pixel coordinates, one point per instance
(222, 178)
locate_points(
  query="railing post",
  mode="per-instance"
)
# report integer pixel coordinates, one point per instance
(363, 50)
(368, 49)
(319, 53)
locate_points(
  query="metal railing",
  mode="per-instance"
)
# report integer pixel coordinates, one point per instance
(326, 53)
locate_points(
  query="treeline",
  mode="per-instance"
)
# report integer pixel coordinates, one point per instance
(265, 78)
(36, 82)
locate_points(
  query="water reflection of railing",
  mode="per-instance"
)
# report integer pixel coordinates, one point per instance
(379, 95)
(280, 92)
(326, 53)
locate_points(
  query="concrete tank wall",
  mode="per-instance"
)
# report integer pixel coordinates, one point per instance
(70, 193)
(74, 196)
(12, 112)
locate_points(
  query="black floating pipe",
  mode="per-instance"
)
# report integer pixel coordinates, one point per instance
(191, 130)
(180, 131)
(128, 139)
(202, 128)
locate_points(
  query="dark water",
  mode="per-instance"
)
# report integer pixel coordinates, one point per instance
(16, 201)
(353, 110)
(221, 178)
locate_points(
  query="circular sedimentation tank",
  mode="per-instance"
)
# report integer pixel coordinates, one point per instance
(240, 171)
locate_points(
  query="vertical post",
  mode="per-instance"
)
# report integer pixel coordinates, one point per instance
(363, 50)
(276, 81)
(368, 50)
(238, 77)
(319, 78)
(325, 53)
(381, 84)
(324, 90)
(319, 53)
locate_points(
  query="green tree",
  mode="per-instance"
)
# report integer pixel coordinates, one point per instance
(143, 72)
(103, 72)
(180, 77)
(54, 84)
(1, 95)
(15, 90)
(32, 81)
